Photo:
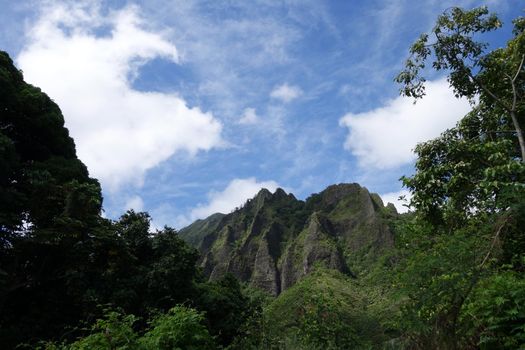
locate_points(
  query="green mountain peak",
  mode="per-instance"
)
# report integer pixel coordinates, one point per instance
(274, 240)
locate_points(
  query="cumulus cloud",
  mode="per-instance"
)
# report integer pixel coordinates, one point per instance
(286, 93)
(120, 132)
(385, 137)
(249, 117)
(398, 199)
(234, 195)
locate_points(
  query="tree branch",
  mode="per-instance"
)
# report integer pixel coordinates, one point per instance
(494, 240)
(490, 93)
(513, 84)
(519, 69)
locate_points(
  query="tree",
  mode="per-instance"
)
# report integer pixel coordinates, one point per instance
(226, 307)
(49, 208)
(463, 251)
(180, 328)
(497, 76)
(469, 170)
(171, 274)
(39, 168)
(480, 164)
(61, 263)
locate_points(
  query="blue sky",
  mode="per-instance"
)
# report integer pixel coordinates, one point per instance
(184, 108)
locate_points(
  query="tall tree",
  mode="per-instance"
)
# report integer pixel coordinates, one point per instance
(41, 177)
(497, 76)
(49, 208)
(466, 244)
(480, 163)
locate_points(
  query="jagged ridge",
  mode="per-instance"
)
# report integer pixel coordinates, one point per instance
(275, 239)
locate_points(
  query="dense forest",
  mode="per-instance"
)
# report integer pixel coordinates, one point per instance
(340, 270)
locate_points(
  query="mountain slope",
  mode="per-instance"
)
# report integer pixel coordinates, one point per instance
(274, 239)
(194, 233)
(324, 305)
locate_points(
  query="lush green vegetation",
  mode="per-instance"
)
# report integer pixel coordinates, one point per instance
(70, 279)
(67, 273)
(466, 240)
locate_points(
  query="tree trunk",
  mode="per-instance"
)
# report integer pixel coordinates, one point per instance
(519, 131)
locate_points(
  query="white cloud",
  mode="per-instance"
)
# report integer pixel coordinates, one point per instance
(385, 137)
(136, 203)
(234, 195)
(249, 117)
(393, 197)
(165, 215)
(120, 132)
(286, 93)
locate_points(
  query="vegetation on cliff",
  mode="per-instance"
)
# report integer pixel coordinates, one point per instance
(274, 239)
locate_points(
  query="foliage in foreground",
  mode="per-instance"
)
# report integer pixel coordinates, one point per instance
(180, 328)
(325, 310)
(453, 282)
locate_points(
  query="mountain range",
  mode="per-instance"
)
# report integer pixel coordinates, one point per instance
(274, 239)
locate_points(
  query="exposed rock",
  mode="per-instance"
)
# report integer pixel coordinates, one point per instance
(391, 208)
(274, 240)
(317, 244)
(358, 217)
(265, 273)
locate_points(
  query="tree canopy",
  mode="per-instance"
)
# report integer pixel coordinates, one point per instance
(63, 266)
(478, 165)
(495, 77)
(463, 252)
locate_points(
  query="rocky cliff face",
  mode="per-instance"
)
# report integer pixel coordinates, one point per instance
(274, 239)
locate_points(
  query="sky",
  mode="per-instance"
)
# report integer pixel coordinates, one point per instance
(187, 108)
